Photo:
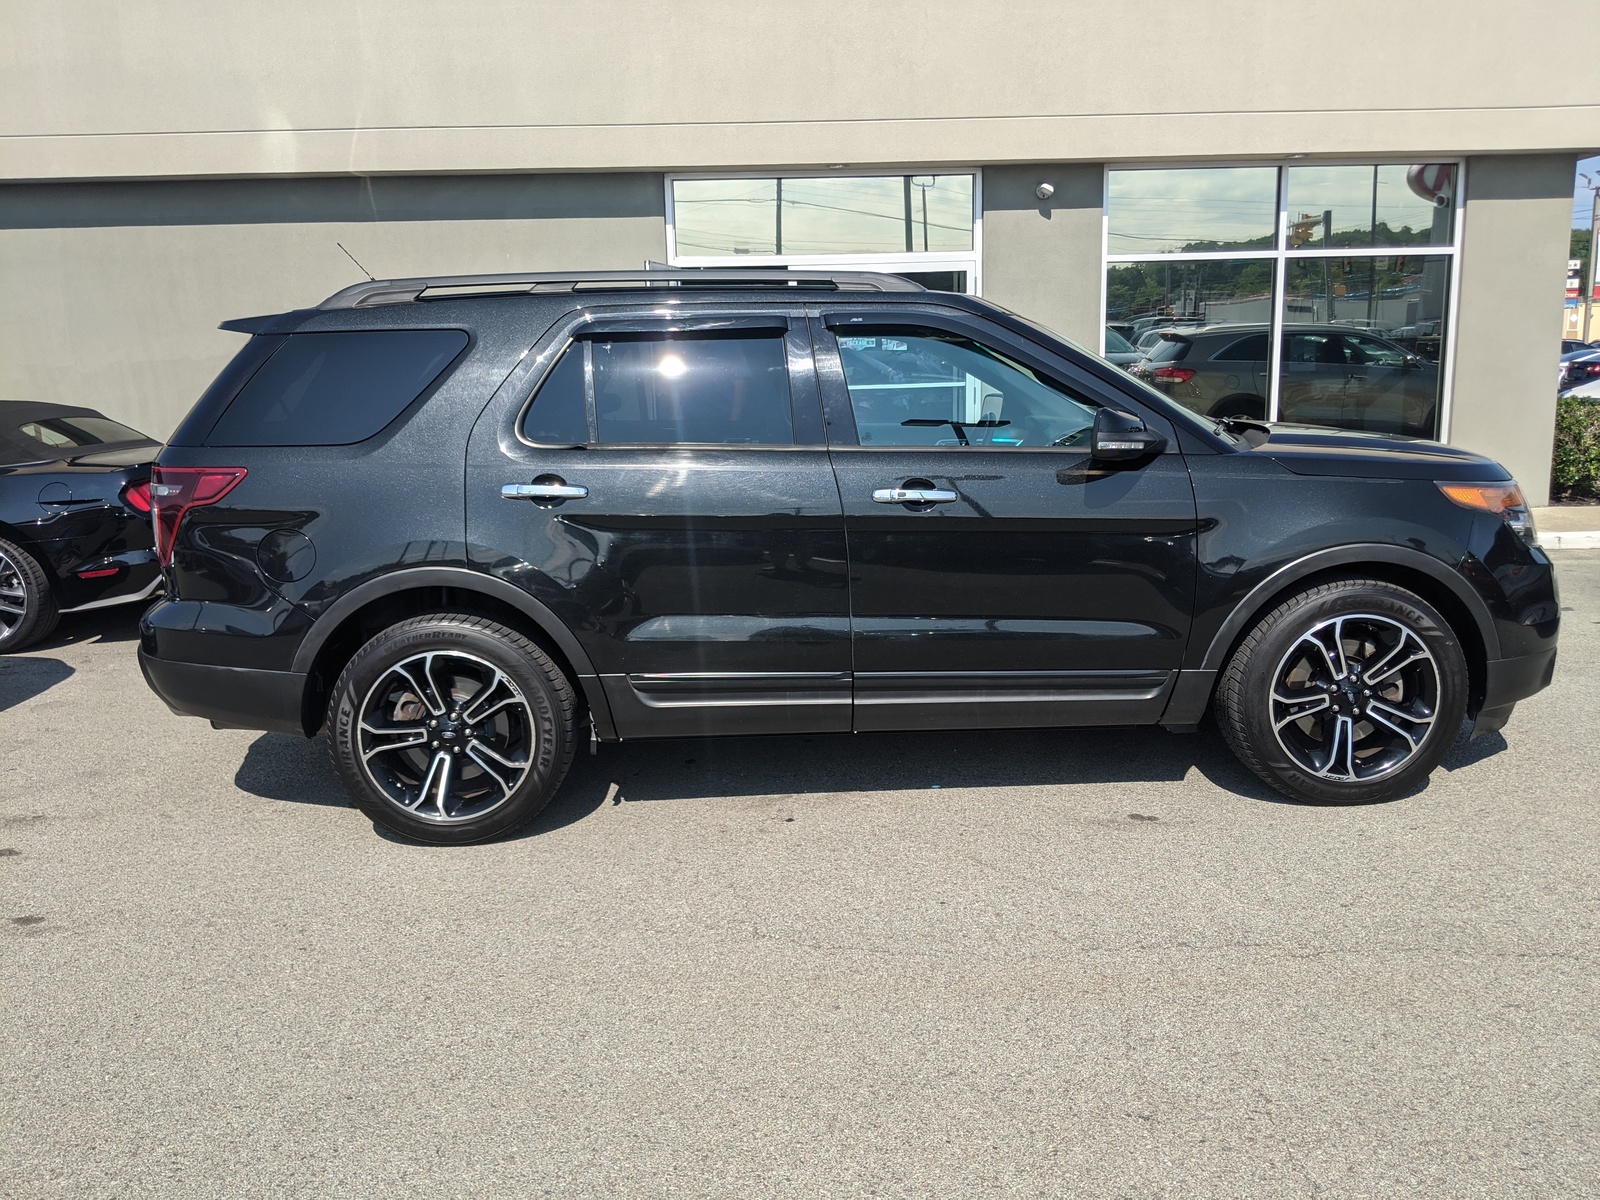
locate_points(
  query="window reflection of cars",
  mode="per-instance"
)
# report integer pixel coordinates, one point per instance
(1331, 375)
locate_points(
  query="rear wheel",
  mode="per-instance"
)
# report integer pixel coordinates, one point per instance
(1348, 693)
(451, 729)
(27, 606)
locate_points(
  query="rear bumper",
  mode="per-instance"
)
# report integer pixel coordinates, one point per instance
(1508, 680)
(233, 697)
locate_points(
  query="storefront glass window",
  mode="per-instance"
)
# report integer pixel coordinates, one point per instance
(1172, 211)
(830, 214)
(1370, 206)
(1356, 333)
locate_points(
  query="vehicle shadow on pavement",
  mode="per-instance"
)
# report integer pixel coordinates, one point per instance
(24, 678)
(297, 770)
(117, 624)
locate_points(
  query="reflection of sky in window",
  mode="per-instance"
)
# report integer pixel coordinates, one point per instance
(1160, 211)
(822, 215)
(1353, 192)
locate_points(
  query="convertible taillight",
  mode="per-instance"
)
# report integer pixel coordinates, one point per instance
(137, 496)
(175, 490)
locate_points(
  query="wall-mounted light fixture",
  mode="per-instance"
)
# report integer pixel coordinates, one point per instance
(1045, 190)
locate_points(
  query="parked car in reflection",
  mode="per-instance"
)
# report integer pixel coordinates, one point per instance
(1571, 345)
(75, 528)
(1332, 375)
(1119, 350)
(1578, 367)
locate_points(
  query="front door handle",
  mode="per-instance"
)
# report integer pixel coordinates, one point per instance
(908, 495)
(553, 489)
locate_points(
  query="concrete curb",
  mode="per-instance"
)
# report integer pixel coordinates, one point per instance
(1571, 540)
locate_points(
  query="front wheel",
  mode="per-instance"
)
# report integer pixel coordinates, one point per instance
(450, 729)
(1347, 693)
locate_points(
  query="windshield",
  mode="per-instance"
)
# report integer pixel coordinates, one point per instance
(74, 432)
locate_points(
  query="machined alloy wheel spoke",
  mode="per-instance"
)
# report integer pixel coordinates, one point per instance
(446, 736)
(1354, 698)
(1386, 715)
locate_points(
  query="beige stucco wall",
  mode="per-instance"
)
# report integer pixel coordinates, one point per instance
(1041, 258)
(113, 291)
(104, 88)
(1513, 262)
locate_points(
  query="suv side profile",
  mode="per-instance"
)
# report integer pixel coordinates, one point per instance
(463, 522)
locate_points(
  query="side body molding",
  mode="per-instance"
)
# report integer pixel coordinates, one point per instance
(468, 581)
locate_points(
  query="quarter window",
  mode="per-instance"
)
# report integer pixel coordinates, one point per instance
(559, 414)
(335, 389)
(927, 387)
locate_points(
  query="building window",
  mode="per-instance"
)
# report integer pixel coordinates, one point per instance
(924, 226)
(1337, 277)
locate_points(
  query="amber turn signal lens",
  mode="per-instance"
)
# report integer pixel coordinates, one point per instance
(1492, 498)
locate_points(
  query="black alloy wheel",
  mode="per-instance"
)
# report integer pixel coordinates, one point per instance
(451, 729)
(28, 609)
(1348, 693)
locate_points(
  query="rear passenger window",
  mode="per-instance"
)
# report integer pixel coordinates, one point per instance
(716, 388)
(1246, 349)
(334, 389)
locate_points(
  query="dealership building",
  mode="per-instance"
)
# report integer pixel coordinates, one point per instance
(1380, 206)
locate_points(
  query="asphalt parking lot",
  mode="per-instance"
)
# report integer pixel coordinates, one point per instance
(1088, 963)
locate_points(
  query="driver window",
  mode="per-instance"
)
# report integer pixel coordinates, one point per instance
(914, 386)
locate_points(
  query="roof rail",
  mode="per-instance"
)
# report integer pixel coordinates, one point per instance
(447, 287)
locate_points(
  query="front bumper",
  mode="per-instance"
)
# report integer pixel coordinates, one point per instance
(1508, 680)
(231, 697)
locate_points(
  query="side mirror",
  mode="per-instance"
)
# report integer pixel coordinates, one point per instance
(1120, 436)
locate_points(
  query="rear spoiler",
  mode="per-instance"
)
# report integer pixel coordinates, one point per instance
(270, 323)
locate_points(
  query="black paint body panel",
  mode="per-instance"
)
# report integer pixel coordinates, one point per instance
(743, 589)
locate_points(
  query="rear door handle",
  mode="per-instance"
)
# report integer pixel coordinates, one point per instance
(543, 491)
(904, 495)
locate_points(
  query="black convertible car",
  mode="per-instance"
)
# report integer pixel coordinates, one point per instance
(75, 530)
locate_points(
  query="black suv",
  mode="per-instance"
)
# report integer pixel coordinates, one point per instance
(464, 522)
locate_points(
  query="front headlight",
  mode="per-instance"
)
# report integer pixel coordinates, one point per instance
(1504, 500)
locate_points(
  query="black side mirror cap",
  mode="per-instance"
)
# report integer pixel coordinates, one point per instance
(1121, 437)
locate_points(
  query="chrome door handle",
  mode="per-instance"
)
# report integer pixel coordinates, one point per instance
(543, 491)
(900, 495)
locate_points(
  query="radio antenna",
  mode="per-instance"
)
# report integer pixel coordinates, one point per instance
(357, 261)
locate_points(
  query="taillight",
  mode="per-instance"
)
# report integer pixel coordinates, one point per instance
(137, 496)
(175, 490)
(1174, 374)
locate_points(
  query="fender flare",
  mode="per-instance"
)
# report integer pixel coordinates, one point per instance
(471, 581)
(1357, 555)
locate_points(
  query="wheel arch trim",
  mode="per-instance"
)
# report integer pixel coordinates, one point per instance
(1355, 557)
(465, 580)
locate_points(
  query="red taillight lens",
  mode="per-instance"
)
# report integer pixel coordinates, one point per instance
(1174, 374)
(175, 490)
(137, 497)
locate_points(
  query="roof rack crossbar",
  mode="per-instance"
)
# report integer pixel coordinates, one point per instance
(444, 287)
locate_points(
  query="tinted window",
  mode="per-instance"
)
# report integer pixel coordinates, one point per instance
(697, 389)
(1314, 348)
(559, 414)
(69, 433)
(332, 389)
(1246, 349)
(1373, 353)
(926, 387)
(1116, 343)
(1167, 350)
